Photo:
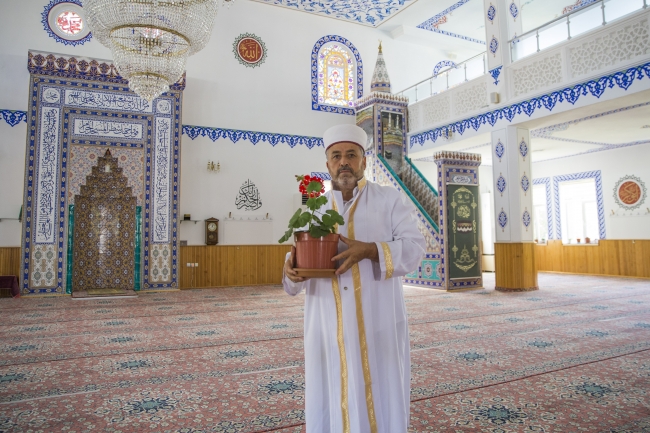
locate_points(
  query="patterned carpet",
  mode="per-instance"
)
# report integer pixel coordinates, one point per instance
(571, 357)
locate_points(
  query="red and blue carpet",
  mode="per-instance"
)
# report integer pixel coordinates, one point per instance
(572, 357)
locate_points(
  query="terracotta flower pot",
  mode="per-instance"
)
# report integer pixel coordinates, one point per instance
(316, 253)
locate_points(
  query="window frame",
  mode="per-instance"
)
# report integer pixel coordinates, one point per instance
(546, 181)
(596, 175)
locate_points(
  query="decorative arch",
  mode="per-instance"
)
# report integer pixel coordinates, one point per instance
(442, 64)
(336, 75)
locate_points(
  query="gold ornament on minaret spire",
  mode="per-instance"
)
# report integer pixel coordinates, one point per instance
(379, 46)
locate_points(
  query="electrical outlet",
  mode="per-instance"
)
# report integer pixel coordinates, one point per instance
(196, 265)
(188, 264)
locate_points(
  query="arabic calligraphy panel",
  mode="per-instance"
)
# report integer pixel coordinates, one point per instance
(248, 197)
(107, 129)
(107, 101)
(463, 231)
(160, 187)
(47, 176)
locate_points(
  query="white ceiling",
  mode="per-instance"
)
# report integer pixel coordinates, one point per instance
(600, 127)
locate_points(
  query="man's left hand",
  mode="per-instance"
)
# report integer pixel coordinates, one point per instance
(356, 252)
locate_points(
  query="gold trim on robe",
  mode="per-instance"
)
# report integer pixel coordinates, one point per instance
(388, 258)
(363, 344)
(344, 364)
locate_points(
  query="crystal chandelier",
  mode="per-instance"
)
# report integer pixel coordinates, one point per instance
(151, 39)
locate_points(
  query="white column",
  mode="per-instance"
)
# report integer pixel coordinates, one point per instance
(513, 198)
(497, 18)
(514, 18)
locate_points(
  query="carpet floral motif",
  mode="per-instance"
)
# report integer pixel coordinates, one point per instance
(231, 360)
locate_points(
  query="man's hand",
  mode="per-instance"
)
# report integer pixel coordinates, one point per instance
(356, 252)
(288, 268)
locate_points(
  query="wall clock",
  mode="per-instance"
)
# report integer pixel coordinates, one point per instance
(211, 231)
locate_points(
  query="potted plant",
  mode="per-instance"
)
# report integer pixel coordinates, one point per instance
(315, 234)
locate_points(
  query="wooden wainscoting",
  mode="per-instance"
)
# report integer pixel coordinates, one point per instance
(625, 258)
(10, 261)
(232, 265)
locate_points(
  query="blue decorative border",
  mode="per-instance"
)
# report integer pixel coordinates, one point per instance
(323, 175)
(235, 135)
(428, 24)
(455, 35)
(549, 203)
(495, 74)
(314, 74)
(369, 13)
(46, 24)
(431, 22)
(14, 117)
(441, 65)
(599, 199)
(597, 88)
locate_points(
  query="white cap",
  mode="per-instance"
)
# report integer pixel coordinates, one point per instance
(347, 132)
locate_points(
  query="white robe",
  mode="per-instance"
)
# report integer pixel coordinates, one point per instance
(378, 372)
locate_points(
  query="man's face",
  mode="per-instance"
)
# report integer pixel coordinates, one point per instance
(346, 163)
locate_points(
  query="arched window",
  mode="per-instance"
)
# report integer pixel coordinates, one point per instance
(336, 75)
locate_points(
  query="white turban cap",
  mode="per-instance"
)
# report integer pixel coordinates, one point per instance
(347, 132)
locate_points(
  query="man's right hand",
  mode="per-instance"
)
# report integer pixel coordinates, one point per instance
(288, 268)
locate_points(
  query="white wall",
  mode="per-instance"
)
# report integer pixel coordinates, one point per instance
(12, 170)
(613, 164)
(220, 92)
(271, 169)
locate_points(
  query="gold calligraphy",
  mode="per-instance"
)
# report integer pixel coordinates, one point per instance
(629, 192)
(250, 50)
(463, 205)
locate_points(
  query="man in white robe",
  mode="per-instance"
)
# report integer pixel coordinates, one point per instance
(357, 360)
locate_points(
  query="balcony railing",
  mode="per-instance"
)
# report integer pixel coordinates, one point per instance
(572, 24)
(447, 78)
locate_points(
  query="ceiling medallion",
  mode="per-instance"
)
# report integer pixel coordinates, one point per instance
(630, 192)
(249, 50)
(64, 21)
(151, 39)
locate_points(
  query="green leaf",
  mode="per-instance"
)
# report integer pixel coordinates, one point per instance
(322, 200)
(294, 218)
(328, 222)
(286, 237)
(314, 187)
(338, 219)
(304, 219)
(312, 204)
(317, 232)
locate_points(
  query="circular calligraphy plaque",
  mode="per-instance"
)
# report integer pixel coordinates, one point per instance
(629, 192)
(249, 50)
(64, 21)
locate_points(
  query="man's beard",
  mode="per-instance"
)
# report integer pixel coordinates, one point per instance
(348, 181)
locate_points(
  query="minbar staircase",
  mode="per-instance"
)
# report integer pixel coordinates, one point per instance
(423, 195)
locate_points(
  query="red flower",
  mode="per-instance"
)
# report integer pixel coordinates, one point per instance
(305, 180)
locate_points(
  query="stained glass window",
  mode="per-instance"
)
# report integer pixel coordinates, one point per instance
(336, 75)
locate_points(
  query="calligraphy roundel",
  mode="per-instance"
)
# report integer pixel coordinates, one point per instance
(249, 50)
(64, 21)
(629, 192)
